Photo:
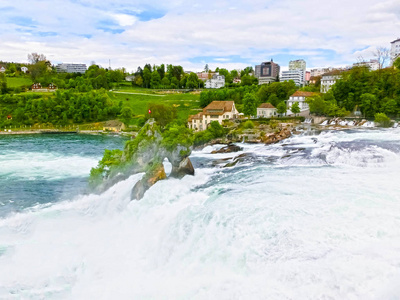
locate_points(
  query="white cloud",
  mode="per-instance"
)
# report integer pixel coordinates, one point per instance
(234, 33)
(125, 20)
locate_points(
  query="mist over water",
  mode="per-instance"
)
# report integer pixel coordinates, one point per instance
(313, 217)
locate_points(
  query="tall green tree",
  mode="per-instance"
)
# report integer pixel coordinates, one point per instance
(295, 108)
(249, 104)
(281, 108)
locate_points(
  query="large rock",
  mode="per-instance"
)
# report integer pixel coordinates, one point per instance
(148, 180)
(185, 167)
(228, 149)
(277, 137)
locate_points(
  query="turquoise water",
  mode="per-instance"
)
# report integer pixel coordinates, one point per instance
(312, 217)
(44, 169)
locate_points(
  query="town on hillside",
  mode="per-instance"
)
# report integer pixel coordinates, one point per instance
(70, 97)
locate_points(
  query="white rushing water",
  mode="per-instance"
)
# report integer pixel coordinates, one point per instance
(314, 217)
(47, 165)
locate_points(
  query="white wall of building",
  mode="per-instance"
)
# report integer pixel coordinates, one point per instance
(218, 81)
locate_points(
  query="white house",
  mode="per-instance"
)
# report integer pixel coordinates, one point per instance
(300, 97)
(328, 80)
(24, 69)
(394, 50)
(266, 110)
(2, 70)
(216, 82)
(215, 111)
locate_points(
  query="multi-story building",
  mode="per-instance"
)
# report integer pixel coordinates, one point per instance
(216, 82)
(267, 72)
(299, 64)
(373, 64)
(71, 68)
(329, 79)
(215, 111)
(395, 50)
(296, 75)
(300, 97)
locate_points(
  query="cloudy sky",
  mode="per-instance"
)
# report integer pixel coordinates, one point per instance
(231, 34)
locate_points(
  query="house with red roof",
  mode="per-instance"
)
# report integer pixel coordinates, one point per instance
(300, 97)
(266, 110)
(215, 111)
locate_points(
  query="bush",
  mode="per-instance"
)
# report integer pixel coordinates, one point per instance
(383, 120)
(248, 125)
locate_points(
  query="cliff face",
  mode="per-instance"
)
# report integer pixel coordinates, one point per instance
(146, 153)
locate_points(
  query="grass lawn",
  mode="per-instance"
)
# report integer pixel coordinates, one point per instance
(13, 82)
(185, 103)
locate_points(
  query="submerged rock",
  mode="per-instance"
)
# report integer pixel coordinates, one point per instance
(228, 149)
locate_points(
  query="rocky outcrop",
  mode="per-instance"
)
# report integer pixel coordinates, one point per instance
(228, 149)
(146, 153)
(149, 179)
(278, 136)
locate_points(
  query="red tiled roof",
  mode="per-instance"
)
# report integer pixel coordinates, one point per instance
(266, 105)
(303, 94)
(218, 107)
(196, 117)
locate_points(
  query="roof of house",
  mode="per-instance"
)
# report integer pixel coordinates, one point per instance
(219, 107)
(196, 117)
(303, 94)
(397, 40)
(266, 105)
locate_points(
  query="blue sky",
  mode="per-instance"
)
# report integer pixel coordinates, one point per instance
(230, 34)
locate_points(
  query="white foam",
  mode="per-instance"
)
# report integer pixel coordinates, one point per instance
(275, 232)
(34, 165)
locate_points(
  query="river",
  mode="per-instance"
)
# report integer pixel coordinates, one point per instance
(313, 217)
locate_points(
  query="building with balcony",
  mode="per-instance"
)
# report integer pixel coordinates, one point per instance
(267, 72)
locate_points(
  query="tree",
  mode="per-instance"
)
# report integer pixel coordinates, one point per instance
(35, 58)
(165, 82)
(281, 108)
(368, 104)
(139, 80)
(396, 63)
(192, 81)
(382, 55)
(249, 104)
(295, 108)
(126, 113)
(146, 77)
(206, 68)
(273, 99)
(382, 119)
(155, 79)
(3, 83)
(162, 114)
(317, 104)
